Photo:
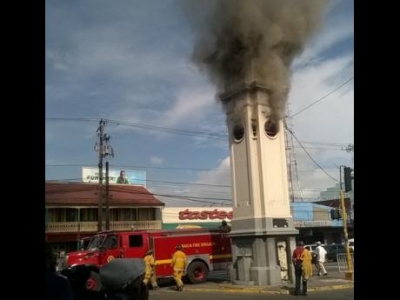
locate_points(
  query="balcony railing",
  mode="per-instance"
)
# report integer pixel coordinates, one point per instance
(64, 227)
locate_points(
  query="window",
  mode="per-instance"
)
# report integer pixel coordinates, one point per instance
(71, 214)
(89, 214)
(135, 241)
(123, 214)
(146, 214)
(111, 242)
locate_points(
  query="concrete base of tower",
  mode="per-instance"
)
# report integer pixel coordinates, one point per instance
(263, 226)
(255, 251)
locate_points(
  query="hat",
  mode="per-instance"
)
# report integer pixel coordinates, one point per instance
(121, 271)
(149, 251)
(318, 243)
(300, 243)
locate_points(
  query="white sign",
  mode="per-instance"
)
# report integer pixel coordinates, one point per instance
(321, 223)
(133, 176)
(196, 214)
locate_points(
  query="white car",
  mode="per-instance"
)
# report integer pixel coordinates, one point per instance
(351, 244)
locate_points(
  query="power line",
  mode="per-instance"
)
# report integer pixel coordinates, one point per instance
(323, 97)
(137, 167)
(292, 159)
(311, 156)
(184, 132)
(223, 136)
(157, 181)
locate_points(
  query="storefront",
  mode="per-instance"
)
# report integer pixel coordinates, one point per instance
(312, 220)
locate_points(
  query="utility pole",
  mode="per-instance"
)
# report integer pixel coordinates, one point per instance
(100, 134)
(107, 198)
(349, 274)
(104, 150)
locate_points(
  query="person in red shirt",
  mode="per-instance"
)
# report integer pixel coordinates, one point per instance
(302, 268)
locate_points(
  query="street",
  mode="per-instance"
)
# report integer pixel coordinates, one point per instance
(166, 293)
(222, 276)
(218, 286)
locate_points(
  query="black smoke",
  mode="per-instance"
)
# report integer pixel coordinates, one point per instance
(241, 41)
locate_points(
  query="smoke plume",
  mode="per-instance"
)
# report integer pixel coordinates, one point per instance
(252, 40)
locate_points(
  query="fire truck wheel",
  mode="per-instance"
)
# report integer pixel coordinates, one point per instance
(197, 272)
(94, 283)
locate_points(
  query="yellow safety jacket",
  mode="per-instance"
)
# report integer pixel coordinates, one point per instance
(150, 263)
(178, 261)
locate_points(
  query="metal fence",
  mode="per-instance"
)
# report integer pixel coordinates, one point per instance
(342, 262)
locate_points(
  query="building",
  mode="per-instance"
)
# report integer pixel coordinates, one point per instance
(71, 214)
(334, 193)
(71, 211)
(312, 220)
(314, 223)
(349, 206)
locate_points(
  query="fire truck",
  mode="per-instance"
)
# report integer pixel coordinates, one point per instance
(206, 250)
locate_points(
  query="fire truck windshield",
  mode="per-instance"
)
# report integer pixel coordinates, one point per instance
(95, 242)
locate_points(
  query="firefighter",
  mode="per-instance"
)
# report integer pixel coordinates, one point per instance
(150, 269)
(224, 227)
(178, 264)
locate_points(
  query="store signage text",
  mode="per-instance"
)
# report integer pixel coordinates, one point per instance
(316, 223)
(205, 214)
(202, 244)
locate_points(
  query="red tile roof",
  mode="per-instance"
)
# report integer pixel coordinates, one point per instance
(84, 194)
(335, 203)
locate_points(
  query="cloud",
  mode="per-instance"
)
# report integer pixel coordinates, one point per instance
(336, 111)
(189, 105)
(217, 175)
(155, 160)
(132, 65)
(324, 42)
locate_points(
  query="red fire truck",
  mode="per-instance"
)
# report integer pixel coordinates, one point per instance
(206, 250)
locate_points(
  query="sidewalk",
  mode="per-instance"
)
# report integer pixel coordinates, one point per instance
(315, 283)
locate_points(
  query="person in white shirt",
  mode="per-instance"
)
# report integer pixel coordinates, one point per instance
(321, 254)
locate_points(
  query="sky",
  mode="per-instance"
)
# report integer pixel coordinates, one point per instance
(129, 62)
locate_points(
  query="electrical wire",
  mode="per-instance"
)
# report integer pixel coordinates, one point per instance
(323, 97)
(291, 132)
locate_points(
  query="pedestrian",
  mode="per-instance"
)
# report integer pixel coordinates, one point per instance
(224, 226)
(178, 263)
(150, 275)
(321, 257)
(57, 286)
(314, 259)
(302, 268)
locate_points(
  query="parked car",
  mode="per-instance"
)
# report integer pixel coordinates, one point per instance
(351, 245)
(333, 249)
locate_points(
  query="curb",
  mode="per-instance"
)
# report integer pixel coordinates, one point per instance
(257, 290)
(332, 287)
